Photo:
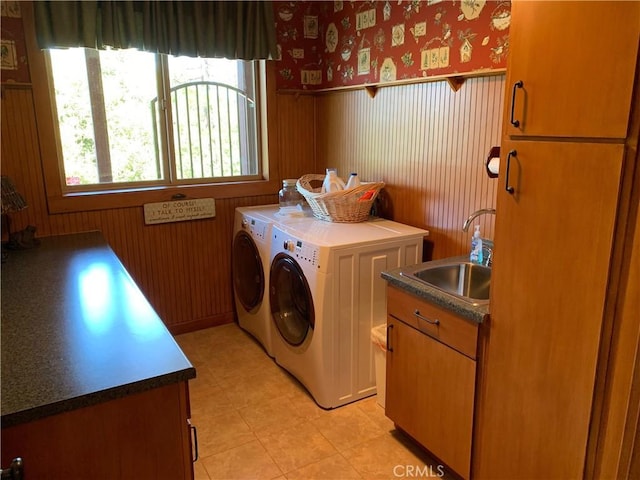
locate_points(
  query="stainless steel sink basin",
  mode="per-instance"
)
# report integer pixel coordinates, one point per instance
(465, 280)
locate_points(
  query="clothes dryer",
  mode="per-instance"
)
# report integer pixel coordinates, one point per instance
(273, 215)
(250, 261)
(326, 293)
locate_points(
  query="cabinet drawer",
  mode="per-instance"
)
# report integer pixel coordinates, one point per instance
(456, 332)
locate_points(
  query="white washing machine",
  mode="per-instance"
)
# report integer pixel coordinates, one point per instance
(250, 262)
(326, 294)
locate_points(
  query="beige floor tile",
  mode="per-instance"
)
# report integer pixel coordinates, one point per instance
(204, 377)
(209, 400)
(271, 417)
(347, 426)
(254, 390)
(376, 413)
(335, 467)
(255, 420)
(297, 446)
(248, 461)
(387, 457)
(238, 363)
(218, 433)
(303, 403)
(199, 472)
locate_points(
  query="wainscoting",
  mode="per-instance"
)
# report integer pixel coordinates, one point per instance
(425, 141)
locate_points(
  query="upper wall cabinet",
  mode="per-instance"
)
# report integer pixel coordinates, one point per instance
(573, 94)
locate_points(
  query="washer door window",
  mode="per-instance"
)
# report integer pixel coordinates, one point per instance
(291, 301)
(248, 277)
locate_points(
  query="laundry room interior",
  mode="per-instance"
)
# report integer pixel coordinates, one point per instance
(422, 100)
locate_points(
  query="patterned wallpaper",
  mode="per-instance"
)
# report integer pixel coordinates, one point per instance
(13, 67)
(329, 44)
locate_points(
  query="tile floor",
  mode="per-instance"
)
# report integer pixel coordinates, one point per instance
(255, 421)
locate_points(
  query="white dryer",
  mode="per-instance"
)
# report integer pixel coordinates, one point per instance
(272, 214)
(326, 293)
(250, 261)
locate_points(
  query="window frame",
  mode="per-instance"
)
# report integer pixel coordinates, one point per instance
(61, 201)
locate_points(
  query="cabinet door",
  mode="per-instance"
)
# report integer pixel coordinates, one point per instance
(577, 62)
(429, 394)
(141, 436)
(553, 242)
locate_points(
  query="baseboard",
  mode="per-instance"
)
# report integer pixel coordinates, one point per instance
(201, 323)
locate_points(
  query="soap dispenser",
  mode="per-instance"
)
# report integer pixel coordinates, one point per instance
(476, 247)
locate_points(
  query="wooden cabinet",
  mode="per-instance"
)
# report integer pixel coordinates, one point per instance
(145, 435)
(93, 385)
(555, 234)
(431, 384)
(553, 243)
(576, 62)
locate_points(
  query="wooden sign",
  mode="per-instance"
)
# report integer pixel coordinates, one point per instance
(179, 210)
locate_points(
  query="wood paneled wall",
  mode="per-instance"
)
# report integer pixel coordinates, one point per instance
(183, 268)
(427, 143)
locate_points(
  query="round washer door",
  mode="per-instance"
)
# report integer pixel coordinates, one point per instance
(248, 275)
(291, 300)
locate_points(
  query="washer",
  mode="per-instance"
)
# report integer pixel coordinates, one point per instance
(250, 260)
(326, 294)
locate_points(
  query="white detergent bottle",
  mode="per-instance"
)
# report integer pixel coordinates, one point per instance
(353, 181)
(332, 182)
(476, 247)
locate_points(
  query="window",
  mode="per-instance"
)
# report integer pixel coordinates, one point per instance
(133, 119)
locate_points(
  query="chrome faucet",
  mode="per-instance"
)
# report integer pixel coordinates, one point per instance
(487, 245)
(475, 214)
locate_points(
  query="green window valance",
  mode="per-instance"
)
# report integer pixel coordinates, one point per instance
(231, 29)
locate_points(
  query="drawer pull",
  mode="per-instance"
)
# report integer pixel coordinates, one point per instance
(512, 120)
(15, 470)
(194, 443)
(508, 187)
(432, 322)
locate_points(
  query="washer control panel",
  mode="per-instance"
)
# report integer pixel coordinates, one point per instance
(297, 248)
(304, 251)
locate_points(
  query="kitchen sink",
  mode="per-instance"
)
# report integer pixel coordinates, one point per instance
(465, 280)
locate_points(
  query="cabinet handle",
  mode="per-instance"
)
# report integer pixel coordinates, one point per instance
(194, 435)
(508, 187)
(518, 84)
(15, 470)
(389, 347)
(432, 322)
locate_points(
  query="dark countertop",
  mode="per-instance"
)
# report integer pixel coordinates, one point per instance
(76, 331)
(476, 313)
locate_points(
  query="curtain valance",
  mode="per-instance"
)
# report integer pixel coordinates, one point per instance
(231, 29)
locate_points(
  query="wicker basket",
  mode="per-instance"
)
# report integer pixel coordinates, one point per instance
(346, 206)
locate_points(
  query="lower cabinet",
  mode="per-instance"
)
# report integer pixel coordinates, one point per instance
(430, 382)
(141, 436)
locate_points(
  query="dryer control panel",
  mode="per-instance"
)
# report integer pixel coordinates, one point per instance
(257, 228)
